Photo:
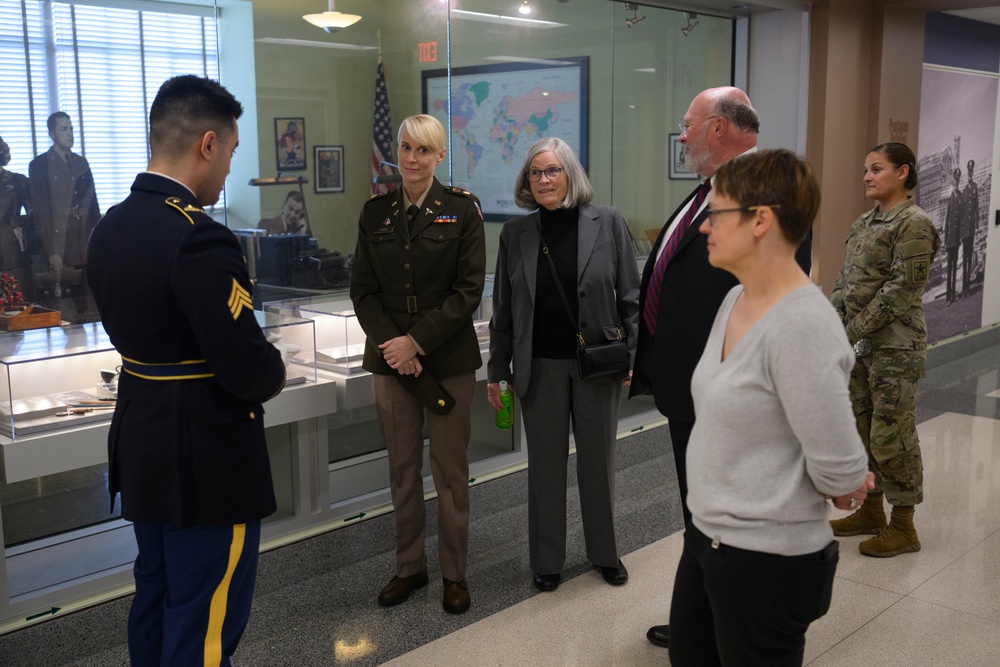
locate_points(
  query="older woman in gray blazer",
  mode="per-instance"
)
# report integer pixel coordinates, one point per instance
(533, 343)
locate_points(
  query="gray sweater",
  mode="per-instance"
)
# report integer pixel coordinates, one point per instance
(775, 431)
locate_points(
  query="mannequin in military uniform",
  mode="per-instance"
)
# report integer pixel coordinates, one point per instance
(16, 231)
(417, 280)
(878, 295)
(65, 212)
(186, 447)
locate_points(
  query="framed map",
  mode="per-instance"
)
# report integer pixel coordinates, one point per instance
(497, 113)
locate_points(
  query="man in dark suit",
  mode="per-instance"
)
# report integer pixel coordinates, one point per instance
(186, 447)
(293, 218)
(680, 291)
(970, 219)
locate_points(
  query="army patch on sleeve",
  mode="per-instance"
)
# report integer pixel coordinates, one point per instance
(239, 299)
(919, 270)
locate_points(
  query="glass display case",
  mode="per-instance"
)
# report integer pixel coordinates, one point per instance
(56, 377)
(340, 341)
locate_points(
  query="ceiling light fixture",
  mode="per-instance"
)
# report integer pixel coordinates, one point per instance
(692, 21)
(332, 21)
(500, 18)
(524, 8)
(635, 10)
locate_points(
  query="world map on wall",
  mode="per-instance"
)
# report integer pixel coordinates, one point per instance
(496, 115)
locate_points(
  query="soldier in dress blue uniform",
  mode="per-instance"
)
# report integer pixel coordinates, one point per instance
(186, 448)
(416, 281)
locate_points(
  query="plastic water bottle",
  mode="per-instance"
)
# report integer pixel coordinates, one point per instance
(505, 415)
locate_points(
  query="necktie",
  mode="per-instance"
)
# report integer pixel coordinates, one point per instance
(669, 248)
(411, 216)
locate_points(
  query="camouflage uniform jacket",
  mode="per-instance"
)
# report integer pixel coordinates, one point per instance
(886, 265)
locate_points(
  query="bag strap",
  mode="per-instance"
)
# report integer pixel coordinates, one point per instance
(559, 287)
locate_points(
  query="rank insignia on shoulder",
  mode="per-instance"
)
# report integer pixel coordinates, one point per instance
(479, 211)
(446, 219)
(239, 299)
(184, 209)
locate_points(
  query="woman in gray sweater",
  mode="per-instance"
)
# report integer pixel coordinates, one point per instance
(774, 437)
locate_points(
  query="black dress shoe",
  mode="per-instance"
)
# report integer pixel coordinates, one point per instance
(547, 582)
(616, 576)
(659, 635)
(398, 590)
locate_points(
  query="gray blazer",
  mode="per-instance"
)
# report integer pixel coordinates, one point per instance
(607, 284)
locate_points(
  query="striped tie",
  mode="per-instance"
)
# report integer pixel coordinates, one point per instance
(656, 280)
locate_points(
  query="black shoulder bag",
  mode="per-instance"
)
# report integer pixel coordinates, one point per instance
(597, 360)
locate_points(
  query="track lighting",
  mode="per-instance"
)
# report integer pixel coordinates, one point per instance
(692, 21)
(634, 9)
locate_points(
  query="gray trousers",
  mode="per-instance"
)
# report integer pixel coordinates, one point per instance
(556, 396)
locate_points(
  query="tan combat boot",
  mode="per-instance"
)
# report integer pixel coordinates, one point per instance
(869, 520)
(899, 537)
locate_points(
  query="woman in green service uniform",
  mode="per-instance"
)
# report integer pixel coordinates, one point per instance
(878, 295)
(416, 281)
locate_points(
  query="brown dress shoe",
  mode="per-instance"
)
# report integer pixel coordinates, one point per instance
(399, 589)
(456, 596)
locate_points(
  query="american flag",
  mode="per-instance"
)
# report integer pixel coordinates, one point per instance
(382, 131)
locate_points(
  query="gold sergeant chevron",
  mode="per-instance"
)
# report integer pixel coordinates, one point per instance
(239, 299)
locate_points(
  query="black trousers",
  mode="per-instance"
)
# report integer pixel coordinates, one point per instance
(741, 608)
(680, 433)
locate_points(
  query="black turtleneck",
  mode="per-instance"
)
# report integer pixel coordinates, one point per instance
(553, 337)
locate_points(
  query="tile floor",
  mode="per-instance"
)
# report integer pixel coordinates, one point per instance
(315, 600)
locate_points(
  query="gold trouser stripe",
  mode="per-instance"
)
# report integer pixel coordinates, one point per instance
(217, 610)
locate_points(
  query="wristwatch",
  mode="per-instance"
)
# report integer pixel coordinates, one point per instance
(862, 348)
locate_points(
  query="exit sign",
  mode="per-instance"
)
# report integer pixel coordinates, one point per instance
(427, 52)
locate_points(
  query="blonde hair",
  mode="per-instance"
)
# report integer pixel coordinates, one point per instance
(425, 129)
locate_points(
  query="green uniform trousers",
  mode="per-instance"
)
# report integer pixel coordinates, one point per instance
(884, 395)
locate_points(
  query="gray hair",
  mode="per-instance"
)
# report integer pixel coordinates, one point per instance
(739, 113)
(578, 191)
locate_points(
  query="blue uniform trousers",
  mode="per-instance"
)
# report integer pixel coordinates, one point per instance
(193, 588)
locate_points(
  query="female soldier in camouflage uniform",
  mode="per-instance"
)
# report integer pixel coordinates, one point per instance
(886, 263)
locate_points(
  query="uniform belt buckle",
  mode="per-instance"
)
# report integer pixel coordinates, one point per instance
(411, 304)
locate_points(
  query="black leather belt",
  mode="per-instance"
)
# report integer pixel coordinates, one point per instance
(413, 304)
(183, 370)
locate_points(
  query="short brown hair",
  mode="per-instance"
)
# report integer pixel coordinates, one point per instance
(776, 177)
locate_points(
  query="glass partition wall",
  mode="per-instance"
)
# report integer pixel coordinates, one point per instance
(613, 82)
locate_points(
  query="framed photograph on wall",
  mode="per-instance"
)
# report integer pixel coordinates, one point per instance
(290, 143)
(678, 160)
(328, 163)
(497, 113)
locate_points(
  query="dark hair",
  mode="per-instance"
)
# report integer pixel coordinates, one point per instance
(899, 155)
(776, 177)
(739, 113)
(971, 164)
(185, 108)
(54, 117)
(957, 173)
(296, 196)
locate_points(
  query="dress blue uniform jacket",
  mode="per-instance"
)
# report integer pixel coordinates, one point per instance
(173, 291)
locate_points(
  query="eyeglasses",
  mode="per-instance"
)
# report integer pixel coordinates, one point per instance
(711, 213)
(552, 173)
(686, 126)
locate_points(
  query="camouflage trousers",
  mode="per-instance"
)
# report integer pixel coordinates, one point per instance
(884, 395)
